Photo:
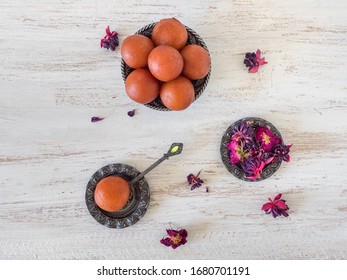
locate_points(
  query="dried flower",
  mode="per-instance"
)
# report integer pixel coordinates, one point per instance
(110, 41)
(194, 181)
(277, 207)
(266, 138)
(207, 189)
(175, 238)
(96, 119)
(131, 113)
(253, 61)
(237, 152)
(281, 152)
(253, 167)
(242, 132)
(266, 157)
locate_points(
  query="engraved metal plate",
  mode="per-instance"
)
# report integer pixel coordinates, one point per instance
(136, 206)
(225, 153)
(199, 85)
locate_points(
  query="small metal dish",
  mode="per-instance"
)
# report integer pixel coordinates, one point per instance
(268, 170)
(199, 85)
(136, 206)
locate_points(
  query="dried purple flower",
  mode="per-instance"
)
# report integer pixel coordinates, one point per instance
(96, 119)
(277, 207)
(253, 167)
(207, 189)
(131, 113)
(194, 181)
(253, 61)
(242, 132)
(110, 41)
(281, 152)
(175, 238)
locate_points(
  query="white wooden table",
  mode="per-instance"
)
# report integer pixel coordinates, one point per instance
(55, 77)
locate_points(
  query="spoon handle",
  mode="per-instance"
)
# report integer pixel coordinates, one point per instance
(175, 149)
(154, 165)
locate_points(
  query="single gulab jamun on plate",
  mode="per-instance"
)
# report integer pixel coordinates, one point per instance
(112, 201)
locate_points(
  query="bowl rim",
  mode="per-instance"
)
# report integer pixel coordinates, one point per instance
(199, 85)
(268, 170)
(141, 197)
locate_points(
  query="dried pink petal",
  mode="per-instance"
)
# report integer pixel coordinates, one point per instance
(276, 207)
(267, 206)
(253, 61)
(281, 204)
(261, 61)
(175, 238)
(110, 41)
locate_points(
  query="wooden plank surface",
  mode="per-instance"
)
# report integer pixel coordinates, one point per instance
(55, 77)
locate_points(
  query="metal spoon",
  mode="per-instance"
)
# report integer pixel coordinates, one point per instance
(175, 149)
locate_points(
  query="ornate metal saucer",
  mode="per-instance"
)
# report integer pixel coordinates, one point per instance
(136, 206)
(139, 197)
(225, 153)
(199, 85)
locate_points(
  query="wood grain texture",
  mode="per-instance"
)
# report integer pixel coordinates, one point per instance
(54, 78)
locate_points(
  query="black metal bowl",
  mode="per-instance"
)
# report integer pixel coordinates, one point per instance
(199, 85)
(225, 153)
(136, 206)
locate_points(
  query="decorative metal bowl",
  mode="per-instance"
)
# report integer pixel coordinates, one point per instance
(199, 85)
(136, 206)
(225, 153)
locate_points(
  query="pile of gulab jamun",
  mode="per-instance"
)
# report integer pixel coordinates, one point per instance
(164, 65)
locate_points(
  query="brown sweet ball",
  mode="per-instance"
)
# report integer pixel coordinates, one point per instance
(178, 94)
(196, 62)
(165, 63)
(135, 50)
(141, 86)
(112, 193)
(170, 32)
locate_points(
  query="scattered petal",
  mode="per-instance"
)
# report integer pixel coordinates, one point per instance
(194, 181)
(276, 207)
(281, 204)
(131, 113)
(254, 69)
(253, 61)
(96, 119)
(110, 41)
(207, 189)
(260, 60)
(175, 238)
